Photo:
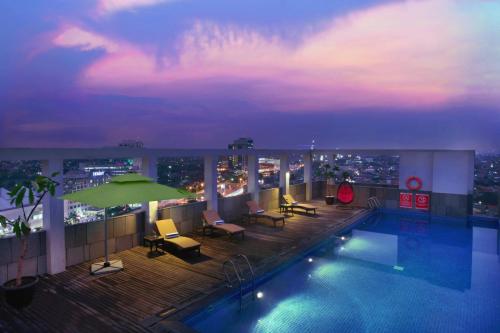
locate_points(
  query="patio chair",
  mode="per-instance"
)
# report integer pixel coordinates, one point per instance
(289, 200)
(166, 228)
(256, 212)
(212, 220)
(345, 194)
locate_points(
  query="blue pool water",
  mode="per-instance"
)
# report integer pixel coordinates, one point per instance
(393, 274)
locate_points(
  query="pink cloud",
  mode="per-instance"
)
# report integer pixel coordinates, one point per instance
(416, 53)
(73, 36)
(113, 6)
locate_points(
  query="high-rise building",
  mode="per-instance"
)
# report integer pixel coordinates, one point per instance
(240, 144)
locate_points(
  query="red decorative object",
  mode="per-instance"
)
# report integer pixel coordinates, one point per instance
(405, 200)
(414, 183)
(422, 201)
(345, 193)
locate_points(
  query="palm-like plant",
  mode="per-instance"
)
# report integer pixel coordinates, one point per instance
(35, 191)
(329, 173)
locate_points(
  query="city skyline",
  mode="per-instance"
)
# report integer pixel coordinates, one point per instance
(197, 74)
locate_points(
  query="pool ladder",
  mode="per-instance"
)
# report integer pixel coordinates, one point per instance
(374, 203)
(232, 267)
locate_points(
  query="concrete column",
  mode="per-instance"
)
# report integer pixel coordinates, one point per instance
(284, 174)
(308, 175)
(149, 168)
(253, 176)
(210, 180)
(53, 219)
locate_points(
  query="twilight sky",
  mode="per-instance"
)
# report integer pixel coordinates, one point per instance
(199, 73)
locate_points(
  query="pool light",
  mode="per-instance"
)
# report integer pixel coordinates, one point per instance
(310, 260)
(260, 294)
(343, 238)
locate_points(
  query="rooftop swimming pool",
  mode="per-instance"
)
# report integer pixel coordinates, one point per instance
(392, 273)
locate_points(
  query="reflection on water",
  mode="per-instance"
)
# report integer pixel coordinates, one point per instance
(391, 274)
(441, 254)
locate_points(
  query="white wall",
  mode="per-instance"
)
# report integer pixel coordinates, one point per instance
(453, 172)
(419, 164)
(449, 172)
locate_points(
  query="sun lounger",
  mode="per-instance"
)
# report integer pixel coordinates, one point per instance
(256, 212)
(289, 200)
(166, 228)
(212, 220)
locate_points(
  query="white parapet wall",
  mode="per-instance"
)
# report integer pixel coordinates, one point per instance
(450, 172)
(447, 175)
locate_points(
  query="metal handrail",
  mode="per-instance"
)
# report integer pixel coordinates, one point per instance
(238, 272)
(245, 258)
(373, 202)
(226, 274)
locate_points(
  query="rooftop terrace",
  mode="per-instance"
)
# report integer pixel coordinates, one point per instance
(155, 287)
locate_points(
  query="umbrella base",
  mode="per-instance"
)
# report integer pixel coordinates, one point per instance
(111, 266)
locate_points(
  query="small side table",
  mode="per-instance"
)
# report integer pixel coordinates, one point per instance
(153, 240)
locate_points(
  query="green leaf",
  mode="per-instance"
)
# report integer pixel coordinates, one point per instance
(52, 189)
(16, 189)
(31, 196)
(25, 229)
(3, 221)
(42, 183)
(20, 196)
(34, 185)
(17, 228)
(54, 174)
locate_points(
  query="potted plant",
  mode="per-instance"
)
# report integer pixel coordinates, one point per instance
(329, 173)
(346, 176)
(19, 291)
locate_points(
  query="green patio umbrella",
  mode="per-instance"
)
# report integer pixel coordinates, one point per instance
(122, 190)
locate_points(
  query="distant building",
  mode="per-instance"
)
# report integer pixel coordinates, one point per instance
(131, 144)
(240, 144)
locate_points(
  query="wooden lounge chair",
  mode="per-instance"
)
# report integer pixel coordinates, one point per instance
(166, 228)
(289, 200)
(212, 220)
(256, 212)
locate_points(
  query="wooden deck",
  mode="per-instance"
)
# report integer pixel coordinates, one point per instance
(153, 287)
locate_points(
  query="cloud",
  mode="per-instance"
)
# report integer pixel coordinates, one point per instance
(73, 36)
(113, 6)
(415, 53)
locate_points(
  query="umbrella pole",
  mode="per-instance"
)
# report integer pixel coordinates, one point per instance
(106, 266)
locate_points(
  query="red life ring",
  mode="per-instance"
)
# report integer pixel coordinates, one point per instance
(414, 183)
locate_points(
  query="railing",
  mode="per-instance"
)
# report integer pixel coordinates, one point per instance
(233, 265)
(374, 203)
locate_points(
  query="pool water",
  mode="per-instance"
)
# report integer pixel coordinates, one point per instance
(393, 273)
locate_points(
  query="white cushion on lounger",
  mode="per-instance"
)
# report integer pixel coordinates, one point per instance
(219, 222)
(172, 235)
(295, 202)
(260, 211)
